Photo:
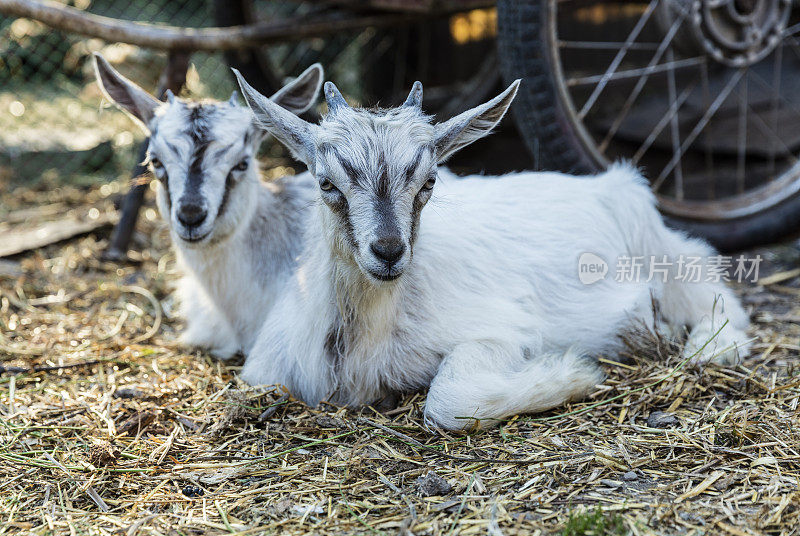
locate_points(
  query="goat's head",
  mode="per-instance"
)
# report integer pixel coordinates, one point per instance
(202, 152)
(376, 168)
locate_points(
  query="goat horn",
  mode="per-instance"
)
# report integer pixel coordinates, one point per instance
(415, 96)
(234, 100)
(334, 98)
(170, 96)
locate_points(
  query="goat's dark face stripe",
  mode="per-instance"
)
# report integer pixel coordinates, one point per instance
(172, 148)
(358, 179)
(340, 206)
(229, 184)
(416, 209)
(387, 221)
(342, 209)
(352, 174)
(165, 185)
(198, 132)
(382, 187)
(411, 170)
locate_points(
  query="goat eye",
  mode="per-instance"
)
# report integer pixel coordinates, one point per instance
(326, 186)
(429, 183)
(241, 166)
(156, 163)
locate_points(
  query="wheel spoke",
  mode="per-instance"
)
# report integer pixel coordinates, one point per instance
(776, 94)
(606, 45)
(790, 31)
(698, 128)
(674, 108)
(648, 74)
(674, 129)
(634, 73)
(662, 47)
(709, 151)
(757, 78)
(794, 45)
(618, 59)
(741, 149)
(764, 128)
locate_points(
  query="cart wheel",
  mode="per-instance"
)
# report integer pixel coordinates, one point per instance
(703, 96)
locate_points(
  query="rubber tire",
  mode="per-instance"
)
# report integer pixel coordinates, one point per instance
(545, 124)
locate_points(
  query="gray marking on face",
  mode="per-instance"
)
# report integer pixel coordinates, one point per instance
(387, 220)
(412, 168)
(229, 185)
(165, 182)
(352, 174)
(198, 131)
(416, 210)
(342, 209)
(172, 148)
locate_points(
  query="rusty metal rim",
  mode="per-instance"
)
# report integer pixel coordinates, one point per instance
(740, 206)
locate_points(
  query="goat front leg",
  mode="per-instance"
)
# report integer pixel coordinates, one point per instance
(480, 383)
(289, 354)
(206, 328)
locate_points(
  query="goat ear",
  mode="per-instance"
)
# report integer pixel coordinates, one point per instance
(297, 135)
(473, 124)
(124, 93)
(334, 98)
(301, 93)
(414, 99)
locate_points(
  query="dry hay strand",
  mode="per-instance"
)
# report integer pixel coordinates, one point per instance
(108, 427)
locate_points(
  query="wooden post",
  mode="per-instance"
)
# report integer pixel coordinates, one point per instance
(173, 78)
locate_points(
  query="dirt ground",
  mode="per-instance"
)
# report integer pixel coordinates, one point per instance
(108, 427)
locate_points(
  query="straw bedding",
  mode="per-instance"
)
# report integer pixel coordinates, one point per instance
(108, 427)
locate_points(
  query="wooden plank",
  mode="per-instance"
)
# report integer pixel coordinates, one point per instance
(15, 241)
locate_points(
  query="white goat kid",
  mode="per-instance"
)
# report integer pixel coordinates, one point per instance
(236, 237)
(478, 297)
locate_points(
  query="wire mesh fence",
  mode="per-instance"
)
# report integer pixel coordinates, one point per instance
(54, 123)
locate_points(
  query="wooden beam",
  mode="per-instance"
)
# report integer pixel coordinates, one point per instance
(72, 20)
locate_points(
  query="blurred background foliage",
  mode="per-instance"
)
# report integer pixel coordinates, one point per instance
(56, 127)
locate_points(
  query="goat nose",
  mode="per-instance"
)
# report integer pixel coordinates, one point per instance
(388, 249)
(191, 214)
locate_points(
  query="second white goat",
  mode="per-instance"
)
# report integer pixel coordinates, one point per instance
(236, 237)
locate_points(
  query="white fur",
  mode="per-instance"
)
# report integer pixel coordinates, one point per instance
(486, 308)
(227, 287)
(231, 276)
(490, 313)
(204, 154)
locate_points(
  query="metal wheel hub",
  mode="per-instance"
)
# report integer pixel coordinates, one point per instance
(739, 32)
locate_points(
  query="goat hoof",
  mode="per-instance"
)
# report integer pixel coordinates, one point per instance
(729, 347)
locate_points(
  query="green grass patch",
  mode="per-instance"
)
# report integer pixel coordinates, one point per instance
(594, 523)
